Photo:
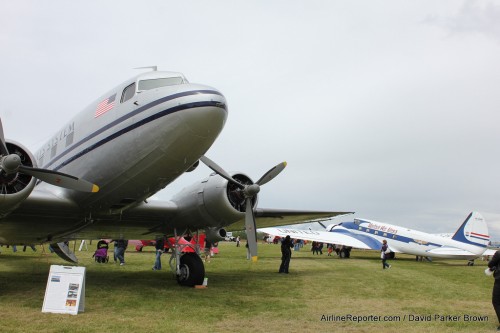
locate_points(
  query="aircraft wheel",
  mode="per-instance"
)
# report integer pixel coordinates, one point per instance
(343, 254)
(192, 271)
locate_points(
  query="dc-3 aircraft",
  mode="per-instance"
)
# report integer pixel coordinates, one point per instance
(111, 157)
(468, 242)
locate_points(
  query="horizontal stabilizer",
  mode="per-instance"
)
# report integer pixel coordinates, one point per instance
(489, 252)
(452, 251)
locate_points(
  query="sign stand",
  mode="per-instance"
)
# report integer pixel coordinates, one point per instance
(65, 292)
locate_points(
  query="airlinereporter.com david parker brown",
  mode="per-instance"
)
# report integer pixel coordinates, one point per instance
(406, 317)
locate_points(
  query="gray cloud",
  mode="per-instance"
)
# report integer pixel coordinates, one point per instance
(374, 111)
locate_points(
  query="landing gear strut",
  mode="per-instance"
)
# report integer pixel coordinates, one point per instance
(188, 267)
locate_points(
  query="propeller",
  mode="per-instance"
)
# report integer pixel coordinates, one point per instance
(11, 164)
(249, 191)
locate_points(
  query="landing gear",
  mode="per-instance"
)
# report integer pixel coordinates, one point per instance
(188, 267)
(345, 252)
(470, 263)
(191, 270)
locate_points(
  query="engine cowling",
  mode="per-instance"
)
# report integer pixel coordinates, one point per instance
(16, 187)
(213, 202)
(215, 234)
(193, 167)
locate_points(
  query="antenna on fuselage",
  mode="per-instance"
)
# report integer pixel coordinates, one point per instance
(153, 68)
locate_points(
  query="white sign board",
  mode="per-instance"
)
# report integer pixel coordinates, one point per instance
(65, 292)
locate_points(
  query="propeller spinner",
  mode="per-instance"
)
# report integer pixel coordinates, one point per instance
(11, 164)
(248, 191)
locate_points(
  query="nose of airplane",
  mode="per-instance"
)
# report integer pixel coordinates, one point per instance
(206, 111)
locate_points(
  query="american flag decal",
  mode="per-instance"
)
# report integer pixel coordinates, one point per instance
(105, 106)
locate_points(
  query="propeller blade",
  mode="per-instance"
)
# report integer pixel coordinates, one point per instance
(273, 172)
(251, 229)
(60, 179)
(3, 145)
(221, 172)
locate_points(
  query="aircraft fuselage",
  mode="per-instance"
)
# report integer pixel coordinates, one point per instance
(134, 140)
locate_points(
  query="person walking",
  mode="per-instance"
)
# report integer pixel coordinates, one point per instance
(384, 251)
(286, 254)
(493, 266)
(119, 250)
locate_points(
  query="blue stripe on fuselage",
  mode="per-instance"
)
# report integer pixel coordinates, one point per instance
(369, 241)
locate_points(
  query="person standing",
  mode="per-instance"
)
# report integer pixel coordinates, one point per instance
(286, 254)
(207, 250)
(120, 247)
(238, 241)
(493, 265)
(159, 246)
(384, 251)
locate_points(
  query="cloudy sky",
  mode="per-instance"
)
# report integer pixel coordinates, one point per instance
(390, 109)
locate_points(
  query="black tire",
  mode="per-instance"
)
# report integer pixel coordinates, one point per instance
(192, 270)
(343, 254)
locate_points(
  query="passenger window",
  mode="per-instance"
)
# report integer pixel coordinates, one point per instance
(128, 93)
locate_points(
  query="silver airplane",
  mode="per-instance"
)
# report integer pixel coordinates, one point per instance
(111, 157)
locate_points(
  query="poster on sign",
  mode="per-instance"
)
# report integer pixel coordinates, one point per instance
(65, 292)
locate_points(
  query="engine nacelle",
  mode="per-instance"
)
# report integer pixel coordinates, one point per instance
(194, 166)
(16, 187)
(213, 202)
(215, 234)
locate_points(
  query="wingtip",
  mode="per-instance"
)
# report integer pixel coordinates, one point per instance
(95, 188)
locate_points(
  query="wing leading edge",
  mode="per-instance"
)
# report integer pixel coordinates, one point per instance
(267, 217)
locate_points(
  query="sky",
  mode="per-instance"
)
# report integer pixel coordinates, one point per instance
(390, 109)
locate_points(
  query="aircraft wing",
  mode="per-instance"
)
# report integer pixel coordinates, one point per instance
(267, 217)
(326, 237)
(47, 213)
(37, 214)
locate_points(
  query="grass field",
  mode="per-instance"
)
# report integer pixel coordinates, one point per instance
(321, 294)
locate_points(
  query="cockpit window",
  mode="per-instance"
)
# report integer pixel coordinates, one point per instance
(128, 93)
(161, 82)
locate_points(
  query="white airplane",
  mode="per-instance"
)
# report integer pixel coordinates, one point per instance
(111, 157)
(468, 242)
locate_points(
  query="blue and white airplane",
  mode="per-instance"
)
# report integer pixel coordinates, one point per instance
(469, 242)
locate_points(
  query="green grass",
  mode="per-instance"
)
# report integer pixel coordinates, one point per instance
(244, 296)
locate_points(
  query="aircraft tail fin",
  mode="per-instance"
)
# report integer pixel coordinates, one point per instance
(473, 231)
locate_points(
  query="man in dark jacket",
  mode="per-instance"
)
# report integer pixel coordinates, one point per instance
(286, 254)
(120, 247)
(494, 267)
